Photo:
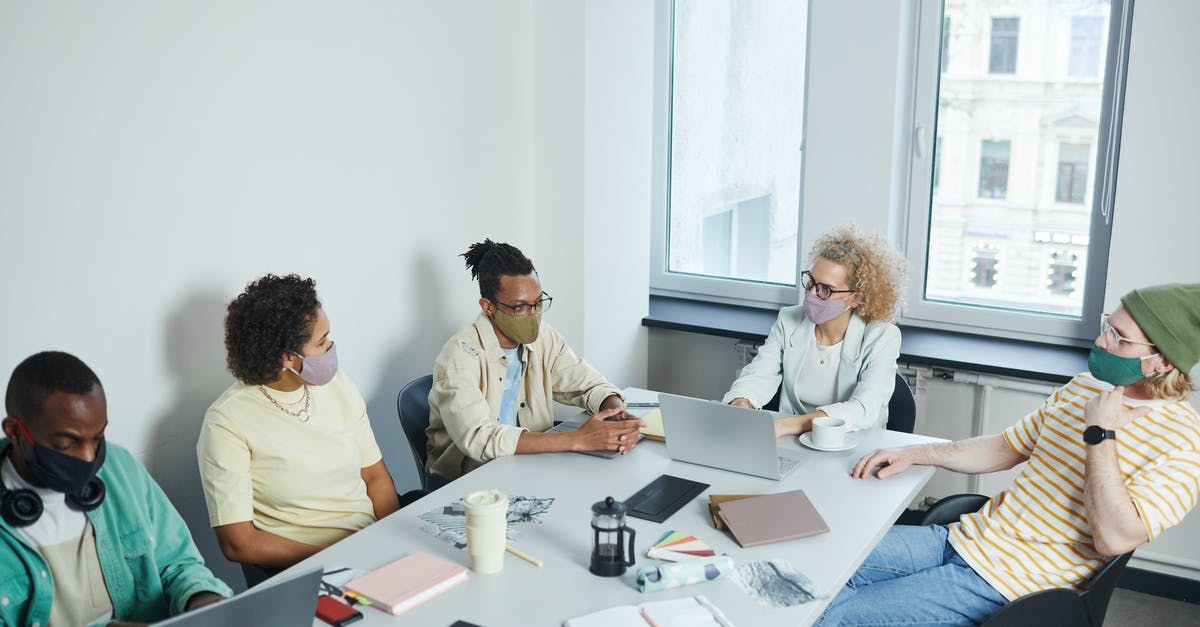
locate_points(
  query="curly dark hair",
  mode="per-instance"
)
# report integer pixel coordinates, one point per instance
(41, 375)
(272, 317)
(488, 261)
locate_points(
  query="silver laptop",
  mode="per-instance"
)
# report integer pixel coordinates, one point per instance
(711, 433)
(291, 601)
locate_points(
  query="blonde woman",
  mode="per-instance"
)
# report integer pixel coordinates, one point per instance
(834, 355)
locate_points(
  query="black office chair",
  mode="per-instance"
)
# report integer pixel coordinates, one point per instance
(412, 405)
(255, 574)
(902, 408)
(1062, 607)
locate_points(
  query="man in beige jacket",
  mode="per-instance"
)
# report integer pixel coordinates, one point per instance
(495, 380)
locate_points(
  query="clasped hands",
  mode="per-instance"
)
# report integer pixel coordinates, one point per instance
(610, 429)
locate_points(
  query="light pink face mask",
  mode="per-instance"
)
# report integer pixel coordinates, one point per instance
(318, 369)
(822, 311)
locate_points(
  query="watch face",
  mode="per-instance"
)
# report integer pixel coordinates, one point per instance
(1096, 434)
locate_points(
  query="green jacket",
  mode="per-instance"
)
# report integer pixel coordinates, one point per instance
(150, 564)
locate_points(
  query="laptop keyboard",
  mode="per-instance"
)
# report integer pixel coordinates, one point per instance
(786, 464)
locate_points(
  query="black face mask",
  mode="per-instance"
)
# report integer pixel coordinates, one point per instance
(59, 471)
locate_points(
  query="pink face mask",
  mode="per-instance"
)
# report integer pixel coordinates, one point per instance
(319, 369)
(822, 311)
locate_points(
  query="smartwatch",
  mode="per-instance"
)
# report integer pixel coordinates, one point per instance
(1096, 434)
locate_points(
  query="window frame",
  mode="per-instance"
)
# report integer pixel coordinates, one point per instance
(998, 322)
(663, 282)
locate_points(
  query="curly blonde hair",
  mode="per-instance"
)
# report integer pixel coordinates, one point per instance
(876, 269)
(1173, 384)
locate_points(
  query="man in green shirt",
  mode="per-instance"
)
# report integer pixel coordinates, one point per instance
(86, 535)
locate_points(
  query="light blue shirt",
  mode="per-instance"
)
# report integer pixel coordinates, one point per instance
(512, 386)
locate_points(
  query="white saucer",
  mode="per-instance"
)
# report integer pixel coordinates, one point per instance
(851, 442)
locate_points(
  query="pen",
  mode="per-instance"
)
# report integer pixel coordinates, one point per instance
(646, 617)
(716, 612)
(637, 405)
(523, 555)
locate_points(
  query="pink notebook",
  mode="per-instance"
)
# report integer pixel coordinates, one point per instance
(407, 582)
(772, 517)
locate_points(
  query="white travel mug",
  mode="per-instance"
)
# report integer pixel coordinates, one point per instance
(487, 520)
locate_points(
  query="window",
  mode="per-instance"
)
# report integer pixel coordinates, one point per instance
(1072, 172)
(985, 265)
(1020, 248)
(1064, 264)
(993, 168)
(1087, 42)
(729, 176)
(1003, 58)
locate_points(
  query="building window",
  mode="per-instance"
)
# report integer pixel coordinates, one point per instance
(1005, 36)
(1064, 265)
(993, 168)
(733, 130)
(1051, 160)
(1087, 41)
(985, 266)
(1072, 172)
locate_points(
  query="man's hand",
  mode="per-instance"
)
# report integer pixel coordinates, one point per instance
(1107, 410)
(888, 462)
(607, 431)
(742, 402)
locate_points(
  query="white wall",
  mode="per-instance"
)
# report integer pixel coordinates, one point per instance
(154, 157)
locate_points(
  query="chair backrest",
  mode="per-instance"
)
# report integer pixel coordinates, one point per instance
(949, 509)
(902, 408)
(413, 407)
(1100, 589)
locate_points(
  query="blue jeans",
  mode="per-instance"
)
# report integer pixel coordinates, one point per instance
(914, 577)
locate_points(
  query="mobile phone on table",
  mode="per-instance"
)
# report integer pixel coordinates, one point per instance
(335, 612)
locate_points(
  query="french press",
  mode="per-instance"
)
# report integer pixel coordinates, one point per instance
(608, 536)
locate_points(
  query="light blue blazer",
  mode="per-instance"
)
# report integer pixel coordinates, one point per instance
(866, 375)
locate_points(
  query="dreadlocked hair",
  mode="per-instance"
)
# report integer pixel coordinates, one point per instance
(488, 261)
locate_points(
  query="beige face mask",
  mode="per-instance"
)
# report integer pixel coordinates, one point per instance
(520, 330)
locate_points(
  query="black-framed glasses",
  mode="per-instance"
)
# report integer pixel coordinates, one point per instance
(823, 291)
(520, 311)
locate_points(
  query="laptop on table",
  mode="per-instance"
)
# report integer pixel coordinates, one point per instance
(291, 601)
(712, 433)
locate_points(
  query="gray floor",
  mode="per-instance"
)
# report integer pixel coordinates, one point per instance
(1135, 609)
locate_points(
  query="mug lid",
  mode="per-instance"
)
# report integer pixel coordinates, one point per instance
(609, 507)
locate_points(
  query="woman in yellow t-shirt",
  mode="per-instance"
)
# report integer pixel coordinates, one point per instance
(287, 456)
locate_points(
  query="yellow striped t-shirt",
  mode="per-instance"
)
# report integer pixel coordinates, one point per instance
(1035, 535)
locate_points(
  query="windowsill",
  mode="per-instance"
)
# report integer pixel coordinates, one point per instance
(927, 347)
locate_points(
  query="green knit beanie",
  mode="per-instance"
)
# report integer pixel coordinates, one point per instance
(1170, 316)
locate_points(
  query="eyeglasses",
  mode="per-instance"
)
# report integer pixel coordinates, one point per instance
(520, 311)
(1114, 339)
(824, 290)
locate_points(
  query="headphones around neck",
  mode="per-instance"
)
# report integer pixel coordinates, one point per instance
(23, 507)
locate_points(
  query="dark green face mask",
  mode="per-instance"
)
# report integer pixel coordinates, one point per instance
(1115, 369)
(520, 330)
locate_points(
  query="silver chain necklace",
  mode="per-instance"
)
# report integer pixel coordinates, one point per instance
(302, 414)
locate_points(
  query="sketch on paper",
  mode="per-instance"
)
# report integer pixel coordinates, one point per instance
(449, 523)
(774, 583)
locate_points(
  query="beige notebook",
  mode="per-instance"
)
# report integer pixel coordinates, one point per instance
(653, 429)
(772, 518)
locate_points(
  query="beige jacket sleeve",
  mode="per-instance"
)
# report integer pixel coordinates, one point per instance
(464, 411)
(572, 380)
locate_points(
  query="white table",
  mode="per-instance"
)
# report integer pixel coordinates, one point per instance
(858, 512)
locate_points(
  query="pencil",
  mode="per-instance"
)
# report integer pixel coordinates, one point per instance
(523, 555)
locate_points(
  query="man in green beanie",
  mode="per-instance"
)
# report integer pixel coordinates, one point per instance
(1111, 460)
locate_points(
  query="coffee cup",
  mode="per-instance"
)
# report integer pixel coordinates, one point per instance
(486, 521)
(829, 432)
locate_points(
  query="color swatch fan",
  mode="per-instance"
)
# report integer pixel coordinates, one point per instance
(676, 546)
